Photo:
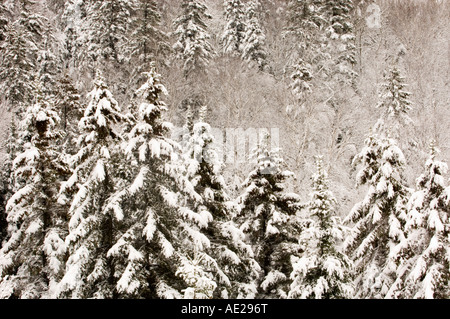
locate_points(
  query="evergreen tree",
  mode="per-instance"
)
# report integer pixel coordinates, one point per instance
(254, 37)
(269, 218)
(4, 21)
(200, 286)
(18, 54)
(93, 224)
(47, 63)
(379, 218)
(192, 46)
(394, 104)
(75, 25)
(160, 246)
(323, 271)
(108, 23)
(31, 20)
(301, 81)
(31, 259)
(17, 65)
(7, 188)
(147, 41)
(305, 28)
(68, 101)
(235, 28)
(234, 263)
(421, 259)
(341, 41)
(189, 124)
(305, 17)
(339, 12)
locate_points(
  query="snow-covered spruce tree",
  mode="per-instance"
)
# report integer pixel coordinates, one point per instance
(341, 41)
(107, 33)
(199, 285)
(305, 17)
(68, 102)
(93, 224)
(269, 218)
(254, 38)
(301, 81)
(339, 12)
(5, 194)
(323, 271)
(233, 256)
(305, 29)
(394, 104)
(378, 220)
(17, 65)
(192, 46)
(160, 246)
(235, 28)
(32, 258)
(4, 21)
(422, 259)
(47, 63)
(31, 20)
(147, 41)
(12, 148)
(18, 55)
(188, 125)
(74, 25)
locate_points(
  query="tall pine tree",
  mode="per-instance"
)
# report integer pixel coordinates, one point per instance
(254, 38)
(147, 41)
(422, 258)
(108, 22)
(93, 224)
(17, 65)
(323, 271)
(192, 46)
(47, 62)
(68, 101)
(31, 259)
(12, 149)
(233, 257)
(378, 220)
(305, 31)
(269, 217)
(235, 28)
(341, 42)
(394, 104)
(159, 247)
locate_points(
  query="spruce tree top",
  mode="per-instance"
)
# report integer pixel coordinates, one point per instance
(151, 107)
(431, 186)
(148, 136)
(394, 102)
(101, 114)
(41, 118)
(235, 28)
(268, 163)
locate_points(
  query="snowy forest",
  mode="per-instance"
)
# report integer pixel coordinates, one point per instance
(224, 149)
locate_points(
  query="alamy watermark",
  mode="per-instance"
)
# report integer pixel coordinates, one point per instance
(231, 145)
(373, 18)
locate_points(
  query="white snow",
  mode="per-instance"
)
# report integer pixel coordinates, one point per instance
(138, 181)
(98, 173)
